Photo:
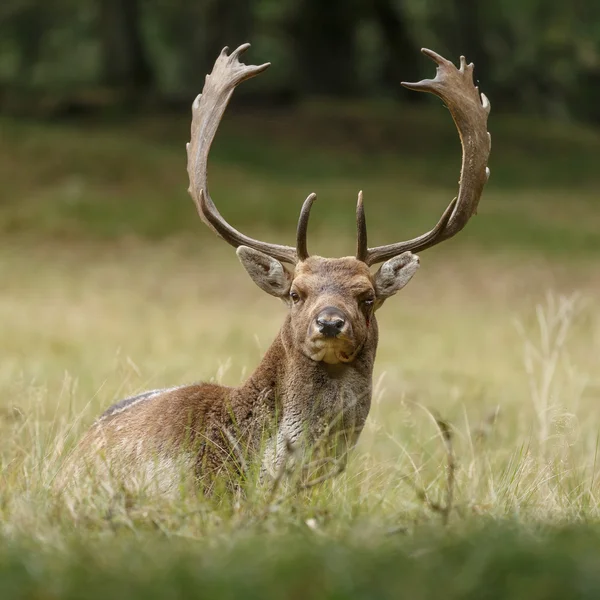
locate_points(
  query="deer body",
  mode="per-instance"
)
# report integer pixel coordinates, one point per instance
(290, 400)
(312, 388)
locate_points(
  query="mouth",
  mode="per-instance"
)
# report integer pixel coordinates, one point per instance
(331, 350)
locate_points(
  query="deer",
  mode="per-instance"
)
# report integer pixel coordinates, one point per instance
(314, 383)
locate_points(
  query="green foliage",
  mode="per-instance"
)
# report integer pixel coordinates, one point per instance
(531, 55)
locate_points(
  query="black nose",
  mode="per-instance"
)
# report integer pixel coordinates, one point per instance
(331, 321)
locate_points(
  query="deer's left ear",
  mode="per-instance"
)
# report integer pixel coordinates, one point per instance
(268, 273)
(394, 274)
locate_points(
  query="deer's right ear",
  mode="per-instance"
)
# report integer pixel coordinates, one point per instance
(268, 273)
(394, 274)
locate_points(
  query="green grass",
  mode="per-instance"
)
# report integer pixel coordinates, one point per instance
(107, 179)
(110, 285)
(490, 562)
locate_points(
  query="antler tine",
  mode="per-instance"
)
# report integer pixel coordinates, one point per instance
(301, 247)
(469, 110)
(362, 251)
(207, 112)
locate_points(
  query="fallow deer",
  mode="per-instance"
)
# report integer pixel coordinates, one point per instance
(315, 380)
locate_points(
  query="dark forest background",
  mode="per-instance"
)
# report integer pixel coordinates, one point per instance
(531, 56)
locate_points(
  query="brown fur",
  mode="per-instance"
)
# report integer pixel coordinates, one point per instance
(290, 398)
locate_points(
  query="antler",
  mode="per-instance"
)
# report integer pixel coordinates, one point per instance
(470, 111)
(207, 112)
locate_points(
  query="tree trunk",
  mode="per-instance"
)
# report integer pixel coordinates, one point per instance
(27, 27)
(401, 61)
(230, 25)
(125, 64)
(324, 43)
(470, 31)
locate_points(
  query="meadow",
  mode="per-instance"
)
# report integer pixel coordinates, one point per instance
(477, 473)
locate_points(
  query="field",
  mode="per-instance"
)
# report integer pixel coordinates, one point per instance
(477, 474)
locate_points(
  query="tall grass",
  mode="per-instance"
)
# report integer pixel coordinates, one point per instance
(504, 427)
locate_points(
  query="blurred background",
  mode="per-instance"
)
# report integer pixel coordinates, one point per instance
(95, 98)
(67, 56)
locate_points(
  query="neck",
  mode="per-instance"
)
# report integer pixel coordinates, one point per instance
(310, 397)
(287, 372)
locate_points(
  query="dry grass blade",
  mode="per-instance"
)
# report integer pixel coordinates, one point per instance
(446, 434)
(339, 466)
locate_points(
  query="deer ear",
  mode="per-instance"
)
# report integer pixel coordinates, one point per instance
(268, 273)
(394, 274)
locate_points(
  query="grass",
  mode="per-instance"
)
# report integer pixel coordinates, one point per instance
(110, 179)
(107, 290)
(489, 563)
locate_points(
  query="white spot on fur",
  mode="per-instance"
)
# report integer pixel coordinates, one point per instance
(132, 401)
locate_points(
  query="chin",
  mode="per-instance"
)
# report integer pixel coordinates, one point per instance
(331, 351)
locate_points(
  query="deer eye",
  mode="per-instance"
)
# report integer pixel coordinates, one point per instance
(295, 296)
(368, 301)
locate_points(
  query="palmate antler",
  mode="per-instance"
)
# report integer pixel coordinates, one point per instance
(207, 112)
(470, 111)
(454, 86)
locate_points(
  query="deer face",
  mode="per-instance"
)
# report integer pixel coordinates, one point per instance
(331, 300)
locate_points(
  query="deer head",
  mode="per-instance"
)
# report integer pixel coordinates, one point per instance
(332, 300)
